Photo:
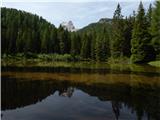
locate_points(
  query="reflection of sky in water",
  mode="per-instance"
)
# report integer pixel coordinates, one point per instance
(80, 106)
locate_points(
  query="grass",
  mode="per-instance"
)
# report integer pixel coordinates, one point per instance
(155, 63)
(49, 58)
(40, 57)
(119, 60)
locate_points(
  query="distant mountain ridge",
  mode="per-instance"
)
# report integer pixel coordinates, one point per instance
(105, 20)
(71, 28)
(97, 26)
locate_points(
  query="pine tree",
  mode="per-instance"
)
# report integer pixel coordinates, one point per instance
(93, 43)
(117, 31)
(61, 36)
(44, 41)
(73, 44)
(85, 49)
(102, 46)
(149, 15)
(67, 41)
(20, 42)
(52, 41)
(155, 28)
(128, 26)
(141, 51)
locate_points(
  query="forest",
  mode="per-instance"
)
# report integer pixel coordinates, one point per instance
(135, 37)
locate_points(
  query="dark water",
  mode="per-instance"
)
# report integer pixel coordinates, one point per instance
(79, 94)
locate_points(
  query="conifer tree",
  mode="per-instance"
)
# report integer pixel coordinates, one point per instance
(155, 28)
(85, 49)
(128, 26)
(149, 15)
(102, 46)
(73, 44)
(93, 43)
(61, 35)
(141, 50)
(44, 41)
(117, 31)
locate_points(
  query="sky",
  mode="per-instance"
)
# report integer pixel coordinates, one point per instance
(80, 12)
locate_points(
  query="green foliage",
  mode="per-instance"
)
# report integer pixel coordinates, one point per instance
(40, 57)
(25, 32)
(155, 28)
(75, 44)
(119, 60)
(102, 46)
(141, 50)
(136, 37)
(118, 33)
(86, 46)
(56, 57)
(128, 27)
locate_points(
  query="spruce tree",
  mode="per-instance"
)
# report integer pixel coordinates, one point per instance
(44, 41)
(141, 50)
(61, 36)
(93, 43)
(155, 28)
(117, 31)
(102, 46)
(73, 44)
(86, 46)
(149, 15)
(128, 26)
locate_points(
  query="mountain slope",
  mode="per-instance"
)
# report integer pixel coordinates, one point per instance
(98, 26)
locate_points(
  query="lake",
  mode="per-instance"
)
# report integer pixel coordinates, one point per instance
(79, 91)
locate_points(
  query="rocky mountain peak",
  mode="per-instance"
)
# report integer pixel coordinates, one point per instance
(68, 26)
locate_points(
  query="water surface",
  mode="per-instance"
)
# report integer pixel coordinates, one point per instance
(80, 92)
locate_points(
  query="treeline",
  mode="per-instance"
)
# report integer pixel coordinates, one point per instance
(136, 37)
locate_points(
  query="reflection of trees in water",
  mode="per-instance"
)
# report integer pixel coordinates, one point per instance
(17, 93)
(66, 92)
(141, 70)
(142, 99)
(116, 106)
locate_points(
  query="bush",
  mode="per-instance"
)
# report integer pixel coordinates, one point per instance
(123, 59)
(58, 57)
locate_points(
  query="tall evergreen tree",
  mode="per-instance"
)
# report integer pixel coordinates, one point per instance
(61, 37)
(128, 27)
(141, 51)
(149, 15)
(44, 42)
(117, 31)
(73, 44)
(102, 46)
(93, 45)
(155, 28)
(86, 46)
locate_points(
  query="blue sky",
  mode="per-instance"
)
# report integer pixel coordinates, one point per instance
(81, 12)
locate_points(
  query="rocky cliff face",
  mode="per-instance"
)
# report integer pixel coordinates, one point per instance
(105, 20)
(68, 26)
